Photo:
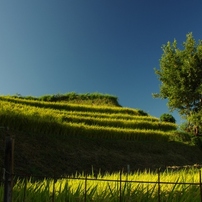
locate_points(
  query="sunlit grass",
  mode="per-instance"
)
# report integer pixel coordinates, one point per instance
(49, 120)
(138, 186)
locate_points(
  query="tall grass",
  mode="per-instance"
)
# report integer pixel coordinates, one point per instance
(51, 121)
(120, 123)
(138, 186)
(70, 107)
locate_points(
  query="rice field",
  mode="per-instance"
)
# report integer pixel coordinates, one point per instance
(179, 186)
(60, 119)
(70, 107)
(91, 121)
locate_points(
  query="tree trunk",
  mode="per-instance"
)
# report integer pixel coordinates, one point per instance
(196, 130)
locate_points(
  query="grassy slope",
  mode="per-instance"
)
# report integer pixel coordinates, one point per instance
(43, 154)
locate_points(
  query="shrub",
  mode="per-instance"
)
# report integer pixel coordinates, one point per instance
(142, 113)
(167, 118)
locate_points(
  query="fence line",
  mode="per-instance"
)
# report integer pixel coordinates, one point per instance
(120, 183)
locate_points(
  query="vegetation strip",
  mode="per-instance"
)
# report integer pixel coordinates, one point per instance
(180, 186)
(45, 120)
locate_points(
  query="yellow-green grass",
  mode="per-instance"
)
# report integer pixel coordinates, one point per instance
(45, 120)
(138, 186)
(111, 116)
(75, 109)
(71, 107)
(121, 121)
(98, 135)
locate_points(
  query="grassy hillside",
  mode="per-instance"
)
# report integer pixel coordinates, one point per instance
(71, 133)
(75, 98)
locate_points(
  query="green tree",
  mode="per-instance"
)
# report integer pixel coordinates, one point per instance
(167, 118)
(180, 74)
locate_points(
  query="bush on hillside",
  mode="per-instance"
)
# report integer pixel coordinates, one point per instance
(142, 113)
(167, 118)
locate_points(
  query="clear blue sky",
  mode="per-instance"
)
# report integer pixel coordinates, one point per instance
(84, 46)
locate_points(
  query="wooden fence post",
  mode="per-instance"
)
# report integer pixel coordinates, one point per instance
(85, 191)
(159, 186)
(120, 196)
(8, 169)
(200, 185)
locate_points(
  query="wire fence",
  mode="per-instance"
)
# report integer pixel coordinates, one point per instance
(22, 185)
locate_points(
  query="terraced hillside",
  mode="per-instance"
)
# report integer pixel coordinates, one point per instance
(64, 137)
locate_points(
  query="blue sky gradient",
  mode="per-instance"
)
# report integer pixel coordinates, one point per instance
(84, 46)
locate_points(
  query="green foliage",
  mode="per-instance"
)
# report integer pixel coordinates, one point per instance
(167, 118)
(180, 74)
(197, 141)
(184, 127)
(142, 112)
(180, 136)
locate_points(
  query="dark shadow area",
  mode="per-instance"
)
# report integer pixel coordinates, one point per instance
(48, 155)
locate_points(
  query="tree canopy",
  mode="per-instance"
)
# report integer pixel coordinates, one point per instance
(180, 74)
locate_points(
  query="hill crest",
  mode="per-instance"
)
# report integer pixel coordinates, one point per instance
(77, 98)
